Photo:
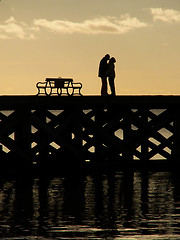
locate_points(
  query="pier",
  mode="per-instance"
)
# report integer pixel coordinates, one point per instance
(89, 131)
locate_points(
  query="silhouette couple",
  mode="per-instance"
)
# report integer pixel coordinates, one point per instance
(107, 71)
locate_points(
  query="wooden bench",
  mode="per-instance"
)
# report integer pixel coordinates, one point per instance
(59, 86)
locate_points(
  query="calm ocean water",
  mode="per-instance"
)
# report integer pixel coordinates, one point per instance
(102, 205)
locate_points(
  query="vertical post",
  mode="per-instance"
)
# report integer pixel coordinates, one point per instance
(23, 132)
(144, 191)
(1, 151)
(42, 140)
(127, 131)
(78, 140)
(98, 140)
(67, 135)
(144, 145)
(176, 142)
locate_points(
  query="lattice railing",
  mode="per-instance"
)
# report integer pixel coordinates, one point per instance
(95, 134)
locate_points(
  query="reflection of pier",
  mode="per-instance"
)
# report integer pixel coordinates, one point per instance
(89, 129)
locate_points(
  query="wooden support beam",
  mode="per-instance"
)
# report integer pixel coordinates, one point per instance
(42, 139)
(144, 145)
(53, 134)
(81, 124)
(176, 135)
(78, 133)
(127, 132)
(23, 132)
(98, 140)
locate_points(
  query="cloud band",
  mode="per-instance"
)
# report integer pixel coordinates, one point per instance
(104, 25)
(165, 15)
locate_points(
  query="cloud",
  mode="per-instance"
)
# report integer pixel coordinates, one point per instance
(11, 28)
(103, 25)
(165, 15)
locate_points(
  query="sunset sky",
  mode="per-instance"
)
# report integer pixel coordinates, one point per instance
(67, 38)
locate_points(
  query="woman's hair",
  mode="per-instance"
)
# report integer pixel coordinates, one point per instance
(112, 60)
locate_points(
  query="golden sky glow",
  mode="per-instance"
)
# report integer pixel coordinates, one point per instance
(67, 38)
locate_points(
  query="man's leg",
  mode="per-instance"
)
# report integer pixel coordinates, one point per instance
(104, 86)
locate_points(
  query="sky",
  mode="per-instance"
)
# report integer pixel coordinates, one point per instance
(68, 38)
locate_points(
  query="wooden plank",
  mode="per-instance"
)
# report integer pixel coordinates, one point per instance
(86, 102)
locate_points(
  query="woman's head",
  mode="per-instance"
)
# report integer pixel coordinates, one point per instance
(113, 60)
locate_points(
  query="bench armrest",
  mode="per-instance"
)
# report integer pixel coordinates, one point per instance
(41, 84)
(77, 85)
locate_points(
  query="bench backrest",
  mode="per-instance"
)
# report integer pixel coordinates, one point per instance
(60, 82)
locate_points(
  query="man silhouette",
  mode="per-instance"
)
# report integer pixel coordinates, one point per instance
(103, 67)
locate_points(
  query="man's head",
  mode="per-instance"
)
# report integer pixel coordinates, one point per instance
(107, 56)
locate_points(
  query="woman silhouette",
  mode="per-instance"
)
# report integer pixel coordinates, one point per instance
(110, 73)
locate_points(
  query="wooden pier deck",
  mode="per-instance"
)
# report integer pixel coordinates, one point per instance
(89, 130)
(154, 101)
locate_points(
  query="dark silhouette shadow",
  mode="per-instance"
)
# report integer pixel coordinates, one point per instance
(111, 75)
(103, 67)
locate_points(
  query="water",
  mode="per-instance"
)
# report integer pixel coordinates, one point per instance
(108, 205)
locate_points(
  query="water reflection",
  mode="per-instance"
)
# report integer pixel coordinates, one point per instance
(97, 206)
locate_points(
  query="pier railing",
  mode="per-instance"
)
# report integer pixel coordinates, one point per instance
(89, 129)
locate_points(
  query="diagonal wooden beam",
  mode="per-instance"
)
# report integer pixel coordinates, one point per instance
(11, 145)
(159, 149)
(53, 134)
(150, 128)
(110, 140)
(64, 122)
(7, 126)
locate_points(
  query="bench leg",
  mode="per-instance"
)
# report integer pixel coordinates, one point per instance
(79, 89)
(39, 91)
(51, 91)
(46, 91)
(59, 92)
(69, 94)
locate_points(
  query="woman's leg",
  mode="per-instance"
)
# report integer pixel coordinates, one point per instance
(112, 86)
